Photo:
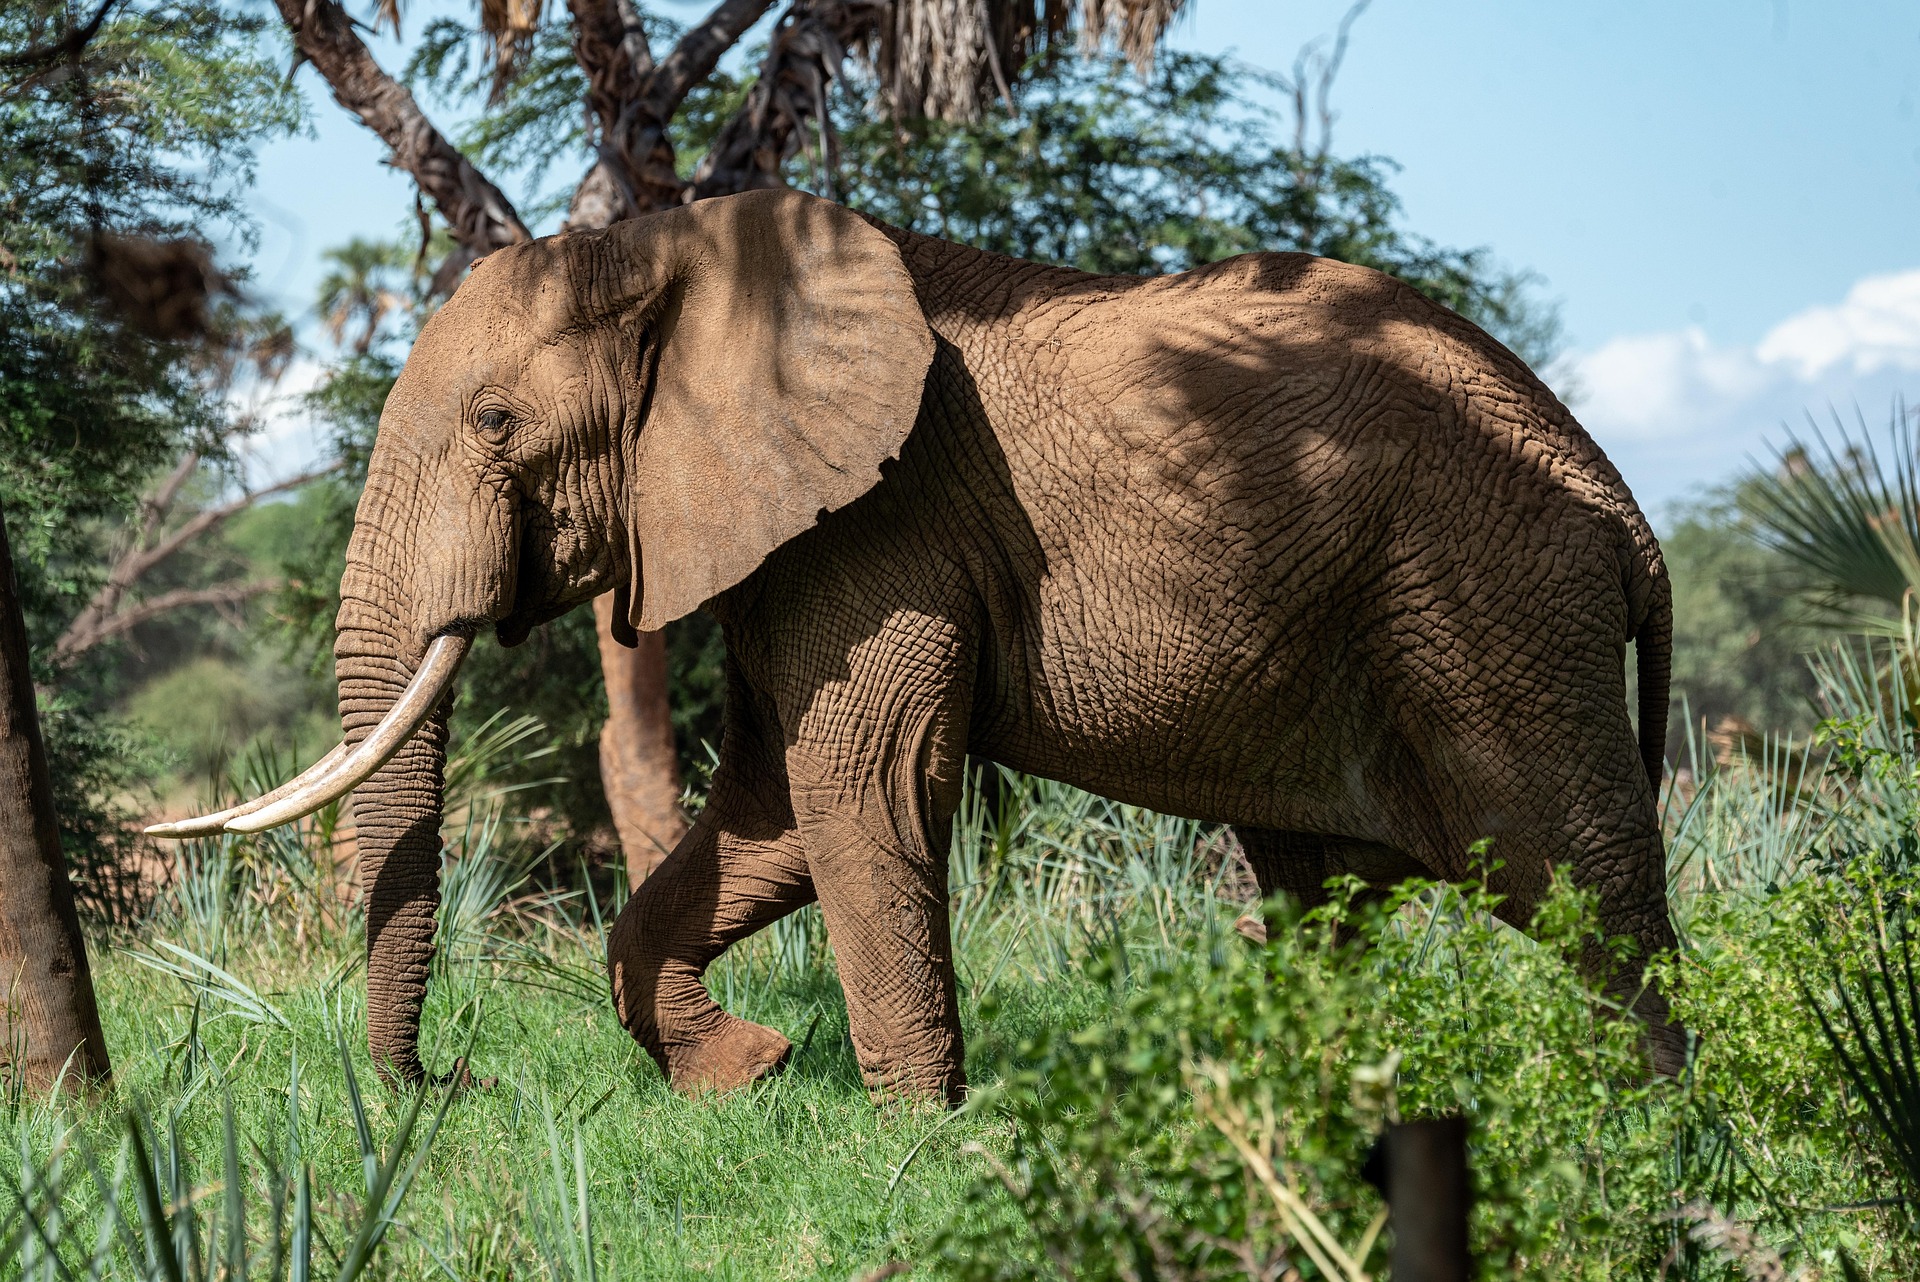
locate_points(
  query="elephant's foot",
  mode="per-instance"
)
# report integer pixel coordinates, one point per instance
(739, 1054)
(939, 1090)
(925, 1074)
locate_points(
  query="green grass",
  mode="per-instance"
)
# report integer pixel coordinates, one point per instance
(793, 1179)
(1134, 1050)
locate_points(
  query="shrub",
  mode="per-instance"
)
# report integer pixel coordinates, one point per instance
(1216, 1124)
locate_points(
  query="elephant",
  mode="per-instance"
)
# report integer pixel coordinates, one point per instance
(1277, 543)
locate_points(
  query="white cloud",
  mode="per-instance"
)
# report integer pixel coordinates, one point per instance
(1877, 326)
(1676, 410)
(1642, 384)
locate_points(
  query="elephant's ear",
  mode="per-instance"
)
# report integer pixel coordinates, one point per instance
(791, 356)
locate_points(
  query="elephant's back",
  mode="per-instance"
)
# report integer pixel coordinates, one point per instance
(1256, 490)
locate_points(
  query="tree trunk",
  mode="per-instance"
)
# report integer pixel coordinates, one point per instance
(48, 1016)
(638, 766)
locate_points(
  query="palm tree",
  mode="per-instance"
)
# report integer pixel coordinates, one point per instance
(365, 286)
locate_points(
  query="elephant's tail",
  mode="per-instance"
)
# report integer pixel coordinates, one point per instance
(1653, 646)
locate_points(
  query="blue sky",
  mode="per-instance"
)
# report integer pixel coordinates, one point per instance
(1723, 195)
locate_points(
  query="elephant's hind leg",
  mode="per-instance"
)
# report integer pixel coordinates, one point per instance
(1301, 864)
(1550, 769)
(740, 869)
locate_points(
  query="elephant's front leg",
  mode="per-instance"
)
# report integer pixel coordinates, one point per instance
(874, 790)
(740, 869)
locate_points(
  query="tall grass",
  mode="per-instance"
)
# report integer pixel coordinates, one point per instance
(1084, 930)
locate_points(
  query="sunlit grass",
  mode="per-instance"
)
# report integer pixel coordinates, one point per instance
(228, 1013)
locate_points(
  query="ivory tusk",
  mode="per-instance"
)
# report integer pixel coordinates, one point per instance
(408, 713)
(347, 766)
(208, 825)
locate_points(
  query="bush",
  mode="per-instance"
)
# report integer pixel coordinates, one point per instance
(1216, 1124)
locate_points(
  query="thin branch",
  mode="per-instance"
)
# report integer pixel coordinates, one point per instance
(66, 47)
(154, 507)
(699, 52)
(480, 216)
(226, 595)
(212, 517)
(98, 620)
(153, 514)
(788, 100)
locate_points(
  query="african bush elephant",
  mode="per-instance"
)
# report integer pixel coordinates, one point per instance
(1277, 543)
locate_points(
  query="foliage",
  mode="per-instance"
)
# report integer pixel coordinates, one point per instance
(1098, 168)
(1846, 513)
(1738, 643)
(203, 710)
(149, 132)
(153, 1227)
(145, 132)
(1139, 1143)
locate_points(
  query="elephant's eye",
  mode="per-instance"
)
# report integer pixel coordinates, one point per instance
(493, 423)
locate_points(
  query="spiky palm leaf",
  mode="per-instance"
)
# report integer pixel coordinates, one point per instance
(1875, 1034)
(1848, 516)
(512, 25)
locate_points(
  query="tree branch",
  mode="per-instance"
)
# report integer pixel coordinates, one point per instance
(73, 644)
(215, 516)
(634, 101)
(480, 216)
(65, 47)
(699, 52)
(789, 100)
(155, 507)
(99, 620)
(633, 168)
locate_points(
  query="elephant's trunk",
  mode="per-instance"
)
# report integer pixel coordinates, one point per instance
(397, 816)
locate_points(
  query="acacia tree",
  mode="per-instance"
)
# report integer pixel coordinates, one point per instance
(938, 58)
(117, 126)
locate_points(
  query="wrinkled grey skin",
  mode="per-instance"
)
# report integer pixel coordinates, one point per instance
(1277, 543)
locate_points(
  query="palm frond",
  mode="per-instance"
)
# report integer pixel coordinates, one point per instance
(1873, 1027)
(1846, 515)
(512, 24)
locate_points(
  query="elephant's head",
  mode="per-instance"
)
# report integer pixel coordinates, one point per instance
(652, 409)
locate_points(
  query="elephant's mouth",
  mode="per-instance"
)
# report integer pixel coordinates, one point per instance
(519, 623)
(552, 578)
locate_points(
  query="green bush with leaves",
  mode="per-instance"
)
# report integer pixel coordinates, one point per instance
(1216, 1124)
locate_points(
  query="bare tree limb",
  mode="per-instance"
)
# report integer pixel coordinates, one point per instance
(633, 101)
(154, 508)
(633, 167)
(212, 517)
(698, 53)
(100, 619)
(480, 216)
(789, 100)
(73, 644)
